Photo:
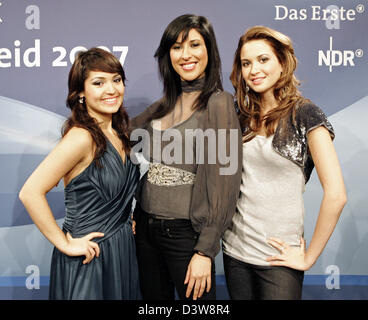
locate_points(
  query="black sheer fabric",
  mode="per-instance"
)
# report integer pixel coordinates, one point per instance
(215, 193)
(195, 85)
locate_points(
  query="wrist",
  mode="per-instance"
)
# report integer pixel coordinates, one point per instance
(201, 254)
(309, 262)
(64, 245)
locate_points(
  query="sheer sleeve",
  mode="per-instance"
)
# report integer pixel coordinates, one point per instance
(217, 185)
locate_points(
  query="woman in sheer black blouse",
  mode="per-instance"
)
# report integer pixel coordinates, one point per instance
(183, 208)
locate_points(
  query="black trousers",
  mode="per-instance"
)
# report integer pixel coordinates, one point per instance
(164, 250)
(250, 282)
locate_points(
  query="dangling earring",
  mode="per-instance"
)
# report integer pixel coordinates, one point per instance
(81, 100)
(246, 98)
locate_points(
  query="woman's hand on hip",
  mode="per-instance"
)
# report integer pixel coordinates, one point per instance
(290, 256)
(83, 246)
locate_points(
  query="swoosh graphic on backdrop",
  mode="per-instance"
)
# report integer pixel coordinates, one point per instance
(27, 134)
(347, 247)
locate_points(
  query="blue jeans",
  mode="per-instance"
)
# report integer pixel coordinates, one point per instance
(250, 282)
(164, 250)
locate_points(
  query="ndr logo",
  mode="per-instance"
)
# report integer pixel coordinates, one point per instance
(335, 58)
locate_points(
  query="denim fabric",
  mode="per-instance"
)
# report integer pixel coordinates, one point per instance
(164, 250)
(250, 282)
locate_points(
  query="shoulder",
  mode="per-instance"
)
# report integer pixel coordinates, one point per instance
(218, 97)
(140, 120)
(76, 146)
(78, 138)
(306, 109)
(154, 106)
(221, 111)
(221, 101)
(310, 116)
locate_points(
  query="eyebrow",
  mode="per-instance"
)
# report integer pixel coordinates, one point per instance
(102, 78)
(177, 42)
(262, 54)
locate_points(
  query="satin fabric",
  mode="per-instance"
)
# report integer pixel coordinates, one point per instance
(99, 200)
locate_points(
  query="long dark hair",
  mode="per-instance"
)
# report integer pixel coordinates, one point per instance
(286, 88)
(94, 59)
(171, 80)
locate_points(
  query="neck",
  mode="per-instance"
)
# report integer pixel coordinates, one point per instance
(106, 126)
(268, 102)
(191, 86)
(104, 120)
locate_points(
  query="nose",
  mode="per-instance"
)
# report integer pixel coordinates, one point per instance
(110, 87)
(254, 68)
(186, 54)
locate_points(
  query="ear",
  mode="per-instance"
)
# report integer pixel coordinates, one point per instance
(81, 98)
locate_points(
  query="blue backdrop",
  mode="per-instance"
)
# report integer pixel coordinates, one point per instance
(38, 41)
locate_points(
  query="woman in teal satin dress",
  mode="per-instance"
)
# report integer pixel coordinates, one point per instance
(94, 255)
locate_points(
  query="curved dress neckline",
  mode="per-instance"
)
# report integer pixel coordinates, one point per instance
(92, 162)
(117, 152)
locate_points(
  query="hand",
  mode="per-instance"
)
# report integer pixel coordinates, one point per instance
(133, 226)
(292, 257)
(198, 276)
(83, 246)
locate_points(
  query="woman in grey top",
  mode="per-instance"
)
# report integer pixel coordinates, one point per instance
(188, 197)
(284, 137)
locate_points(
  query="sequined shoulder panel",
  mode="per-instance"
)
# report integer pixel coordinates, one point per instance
(290, 139)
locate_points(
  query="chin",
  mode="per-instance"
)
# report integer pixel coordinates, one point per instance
(188, 77)
(259, 89)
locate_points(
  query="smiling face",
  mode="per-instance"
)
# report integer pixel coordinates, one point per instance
(260, 67)
(189, 58)
(103, 92)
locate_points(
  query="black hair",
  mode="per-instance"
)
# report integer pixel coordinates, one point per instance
(171, 80)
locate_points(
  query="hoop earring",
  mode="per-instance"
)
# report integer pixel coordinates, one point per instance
(246, 98)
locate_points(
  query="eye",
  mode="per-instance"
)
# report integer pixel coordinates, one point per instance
(176, 47)
(264, 59)
(98, 83)
(117, 80)
(245, 64)
(195, 44)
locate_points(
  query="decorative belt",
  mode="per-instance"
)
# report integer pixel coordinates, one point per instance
(162, 175)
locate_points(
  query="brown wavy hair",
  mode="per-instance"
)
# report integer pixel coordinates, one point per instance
(285, 89)
(95, 59)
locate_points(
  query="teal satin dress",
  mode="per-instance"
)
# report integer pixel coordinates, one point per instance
(99, 200)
